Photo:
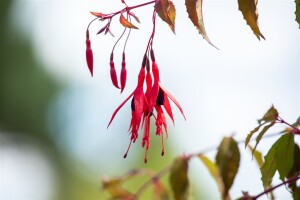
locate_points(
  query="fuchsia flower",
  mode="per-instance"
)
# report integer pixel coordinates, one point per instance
(142, 106)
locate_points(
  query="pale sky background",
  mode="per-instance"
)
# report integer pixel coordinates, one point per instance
(222, 92)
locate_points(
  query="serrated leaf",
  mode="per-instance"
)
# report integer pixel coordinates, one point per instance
(270, 116)
(257, 156)
(251, 134)
(250, 13)
(297, 12)
(194, 10)
(228, 160)
(285, 155)
(263, 131)
(213, 170)
(166, 11)
(179, 178)
(280, 157)
(126, 23)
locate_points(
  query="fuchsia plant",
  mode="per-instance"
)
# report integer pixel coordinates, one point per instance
(145, 104)
(150, 100)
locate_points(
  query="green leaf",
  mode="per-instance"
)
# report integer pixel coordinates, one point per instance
(179, 178)
(297, 12)
(250, 13)
(194, 10)
(213, 170)
(251, 134)
(280, 157)
(166, 11)
(270, 116)
(261, 134)
(257, 155)
(296, 166)
(228, 160)
(285, 155)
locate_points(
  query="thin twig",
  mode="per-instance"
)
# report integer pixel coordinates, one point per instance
(291, 180)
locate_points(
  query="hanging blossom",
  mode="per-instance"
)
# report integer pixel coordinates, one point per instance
(148, 103)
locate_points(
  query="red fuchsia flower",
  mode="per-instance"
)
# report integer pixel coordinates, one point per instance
(89, 53)
(158, 97)
(139, 107)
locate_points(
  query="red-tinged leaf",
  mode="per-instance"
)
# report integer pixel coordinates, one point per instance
(179, 180)
(135, 17)
(98, 14)
(297, 12)
(194, 10)
(250, 13)
(113, 75)
(228, 160)
(172, 98)
(117, 110)
(166, 11)
(126, 23)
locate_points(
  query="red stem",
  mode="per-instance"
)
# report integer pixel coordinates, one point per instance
(128, 9)
(291, 180)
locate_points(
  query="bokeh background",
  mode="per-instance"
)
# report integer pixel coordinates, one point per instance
(54, 143)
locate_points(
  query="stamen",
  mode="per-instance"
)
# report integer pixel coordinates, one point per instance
(163, 145)
(125, 155)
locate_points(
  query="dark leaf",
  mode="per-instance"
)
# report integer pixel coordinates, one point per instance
(285, 155)
(296, 166)
(228, 160)
(250, 13)
(280, 157)
(179, 178)
(166, 11)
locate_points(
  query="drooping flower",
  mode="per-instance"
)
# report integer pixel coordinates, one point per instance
(158, 98)
(139, 107)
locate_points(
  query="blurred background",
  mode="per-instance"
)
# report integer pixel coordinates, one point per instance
(54, 144)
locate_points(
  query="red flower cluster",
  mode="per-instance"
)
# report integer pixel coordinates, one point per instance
(144, 104)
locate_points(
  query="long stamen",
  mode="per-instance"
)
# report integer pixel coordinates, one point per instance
(163, 145)
(125, 155)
